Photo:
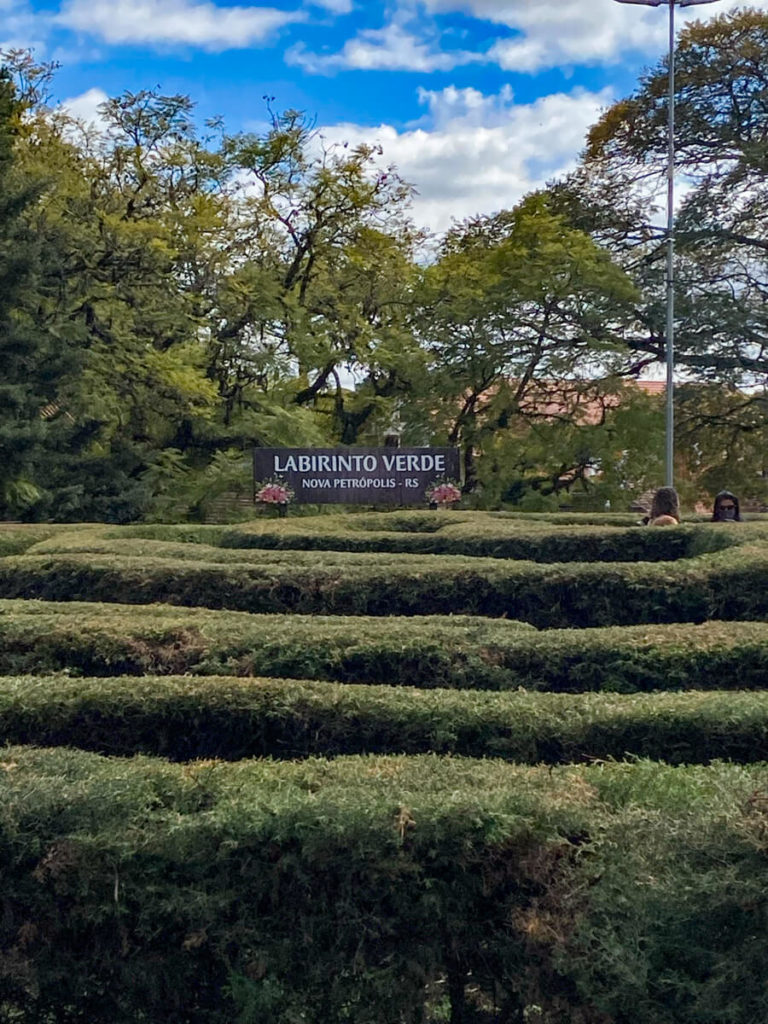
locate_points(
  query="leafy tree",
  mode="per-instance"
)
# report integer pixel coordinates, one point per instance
(215, 292)
(721, 142)
(114, 288)
(609, 449)
(329, 244)
(522, 314)
(723, 440)
(28, 352)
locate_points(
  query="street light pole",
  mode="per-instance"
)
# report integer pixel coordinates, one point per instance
(669, 461)
(670, 336)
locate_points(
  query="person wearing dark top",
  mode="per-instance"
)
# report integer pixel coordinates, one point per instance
(726, 508)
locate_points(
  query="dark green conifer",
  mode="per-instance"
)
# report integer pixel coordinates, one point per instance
(23, 346)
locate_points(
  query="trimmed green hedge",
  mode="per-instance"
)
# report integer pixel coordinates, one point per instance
(731, 584)
(384, 890)
(112, 639)
(555, 544)
(144, 548)
(469, 534)
(387, 890)
(185, 718)
(474, 534)
(15, 538)
(429, 651)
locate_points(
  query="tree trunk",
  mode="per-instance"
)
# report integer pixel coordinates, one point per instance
(456, 980)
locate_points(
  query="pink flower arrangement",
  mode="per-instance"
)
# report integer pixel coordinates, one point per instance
(444, 493)
(274, 493)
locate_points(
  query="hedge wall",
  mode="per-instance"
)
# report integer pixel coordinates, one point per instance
(387, 890)
(476, 535)
(384, 889)
(428, 651)
(185, 718)
(732, 585)
(557, 544)
(15, 538)
(113, 639)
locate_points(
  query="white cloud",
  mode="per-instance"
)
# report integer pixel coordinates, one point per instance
(175, 22)
(334, 6)
(21, 28)
(547, 34)
(392, 48)
(405, 43)
(85, 107)
(477, 154)
(572, 32)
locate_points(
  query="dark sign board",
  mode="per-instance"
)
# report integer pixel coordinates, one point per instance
(364, 476)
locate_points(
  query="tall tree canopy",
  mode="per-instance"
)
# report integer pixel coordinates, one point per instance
(721, 232)
(219, 291)
(172, 294)
(721, 144)
(522, 319)
(30, 348)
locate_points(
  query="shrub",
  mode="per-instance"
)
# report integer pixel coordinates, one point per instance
(17, 538)
(544, 595)
(111, 639)
(426, 651)
(138, 891)
(185, 718)
(469, 534)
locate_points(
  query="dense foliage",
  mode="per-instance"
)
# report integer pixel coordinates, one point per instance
(718, 573)
(457, 652)
(387, 889)
(173, 294)
(720, 235)
(184, 718)
(348, 846)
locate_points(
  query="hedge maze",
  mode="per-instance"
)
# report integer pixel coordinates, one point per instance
(384, 768)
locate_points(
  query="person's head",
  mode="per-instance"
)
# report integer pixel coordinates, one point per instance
(665, 503)
(726, 508)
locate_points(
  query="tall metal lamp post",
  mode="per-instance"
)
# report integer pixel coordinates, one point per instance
(670, 346)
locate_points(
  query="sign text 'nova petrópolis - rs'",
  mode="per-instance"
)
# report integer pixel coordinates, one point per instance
(387, 476)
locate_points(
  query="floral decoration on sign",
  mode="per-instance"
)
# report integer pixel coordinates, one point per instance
(443, 492)
(274, 492)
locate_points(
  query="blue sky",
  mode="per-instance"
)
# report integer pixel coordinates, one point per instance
(475, 101)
